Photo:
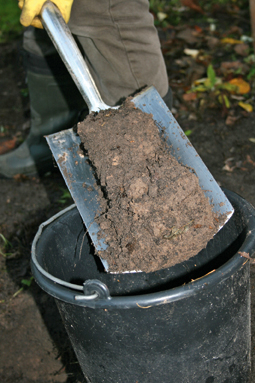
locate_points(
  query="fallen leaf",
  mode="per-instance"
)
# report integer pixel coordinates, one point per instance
(212, 42)
(242, 49)
(161, 16)
(191, 52)
(234, 29)
(230, 120)
(249, 160)
(228, 164)
(238, 98)
(250, 59)
(192, 117)
(229, 40)
(246, 255)
(223, 99)
(252, 140)
(228, 168)
(193, 4)
(198, 29)
(243, 86)
(7, 146)
(246, 106)
(195, 73)
(187, 35)
(189, 96)
(212, 27)
(20, 177)
(239, 165)
(231, 66)
(247, 39)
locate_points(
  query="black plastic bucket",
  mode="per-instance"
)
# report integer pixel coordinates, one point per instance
(189, 323)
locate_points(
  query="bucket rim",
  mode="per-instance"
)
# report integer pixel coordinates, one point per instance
(75, 294)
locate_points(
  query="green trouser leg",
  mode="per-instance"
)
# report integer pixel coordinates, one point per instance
(55, 104)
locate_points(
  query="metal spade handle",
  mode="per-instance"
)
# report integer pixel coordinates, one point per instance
(68, 50)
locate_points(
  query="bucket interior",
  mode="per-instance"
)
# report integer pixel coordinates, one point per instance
(65, 251)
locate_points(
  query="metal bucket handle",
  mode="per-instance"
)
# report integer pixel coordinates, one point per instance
(92, 288)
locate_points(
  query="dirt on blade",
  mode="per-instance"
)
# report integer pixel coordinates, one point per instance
(153, 211)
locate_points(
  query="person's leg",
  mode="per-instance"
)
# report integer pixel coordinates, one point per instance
(55, 104)
(122, 49)
(121, 46)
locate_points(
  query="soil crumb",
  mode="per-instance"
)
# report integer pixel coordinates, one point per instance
(153, 211)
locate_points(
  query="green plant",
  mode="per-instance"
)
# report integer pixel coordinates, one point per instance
(25, 283)
(188, 132)
(6, 246)
(251, 74)
(6, 242)
(214, 86)
(65, 196)
(10, 26)
(24, 92)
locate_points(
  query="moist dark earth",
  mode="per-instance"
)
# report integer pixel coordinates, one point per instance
(150, 205)
(34, 347)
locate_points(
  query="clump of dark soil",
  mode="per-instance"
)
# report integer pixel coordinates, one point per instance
(153, 211)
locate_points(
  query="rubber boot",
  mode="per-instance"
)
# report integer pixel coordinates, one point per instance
(55, 104)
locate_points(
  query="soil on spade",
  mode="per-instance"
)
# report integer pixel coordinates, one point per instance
(153, 213)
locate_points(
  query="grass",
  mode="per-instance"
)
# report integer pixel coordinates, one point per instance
(6, 245)
(65, 197)
(26, 283)
(10, 27)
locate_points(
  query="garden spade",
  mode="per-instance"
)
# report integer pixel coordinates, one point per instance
(65, 145)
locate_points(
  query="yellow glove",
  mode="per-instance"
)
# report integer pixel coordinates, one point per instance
(31, 10)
